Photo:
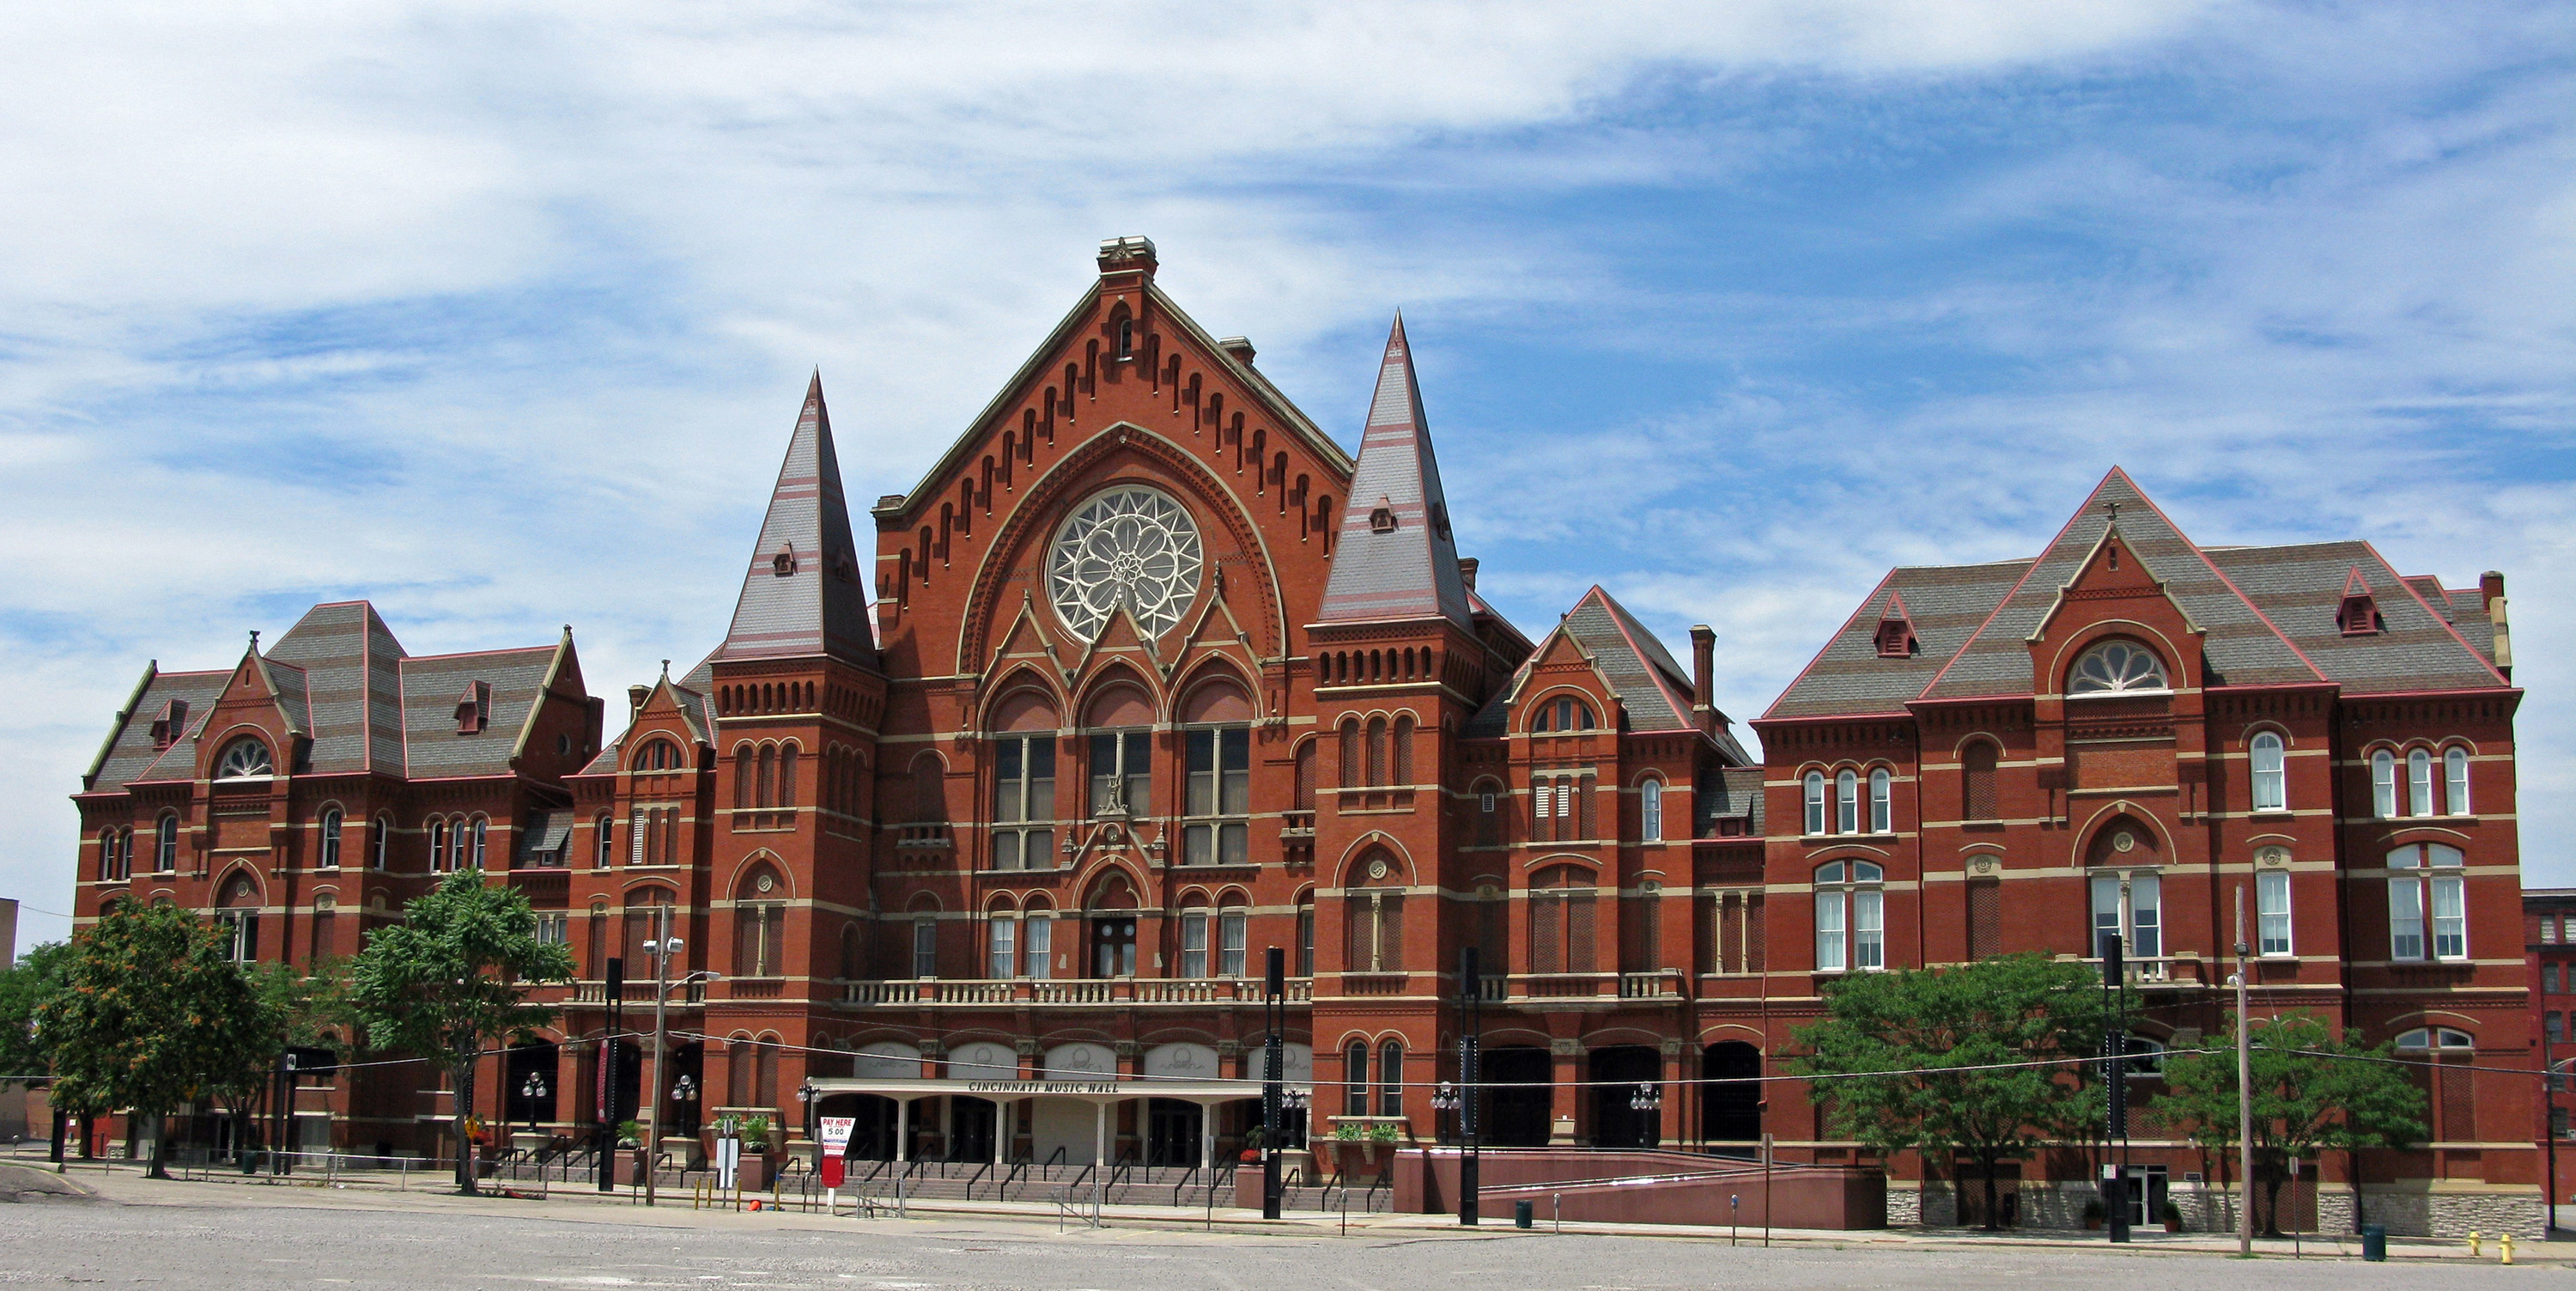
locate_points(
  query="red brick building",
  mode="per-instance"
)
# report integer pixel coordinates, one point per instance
(1156, 676)
(2122, 734)
(2549, 932)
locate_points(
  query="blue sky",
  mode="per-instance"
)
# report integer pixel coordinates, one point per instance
(499, 315)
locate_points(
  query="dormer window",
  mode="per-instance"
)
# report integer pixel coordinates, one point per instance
(1896, 632)
(2358, 615)
(474, 708)
(1382, 517)
(171, 726)
(784, 563)
(1565, 713)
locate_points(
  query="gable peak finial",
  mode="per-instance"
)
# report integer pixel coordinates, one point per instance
(254, 638)
(2111, 507)
(666, 670)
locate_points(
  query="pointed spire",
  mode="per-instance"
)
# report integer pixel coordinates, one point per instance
(802, 594)
(1394, 557)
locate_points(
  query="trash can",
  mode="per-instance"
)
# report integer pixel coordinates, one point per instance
(1524, 1213)
(2374, 1243)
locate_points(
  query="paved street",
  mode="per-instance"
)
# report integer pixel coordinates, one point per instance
(190, 1235)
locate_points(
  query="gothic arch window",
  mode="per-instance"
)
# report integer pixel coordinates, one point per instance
(1217, 757)
(1851, 917)
(244, 758)
(1024, 783)
(1977, 764)
(1374, 913)
(1120, 721)
(759, 923)
(328, 853)
(1130, 545)
(2116, 668)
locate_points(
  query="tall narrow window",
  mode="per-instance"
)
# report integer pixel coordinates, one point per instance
(1882, 812)
(1352, 765)
(107, 855)
(1305, 935)
(165, 845)
(1355, 1065)
(2271, 792)
(1024, 802)
(925, 946)
(481, 829)
(1377, 751)
(604, 846)
(1985, 918)
(1120, 773)
(2383, 784)
(329, 854)
(1194, 943)
(437, 846)
(1650, 811)
(2455, 780)
(1851, 917)
(760, 917)
(1815, 795)
(1846, 803)
(1231, 927)
(1561, 919)
(1220, 797)
(1038, 956)
(2419, 783)
(1003, 938)
(1390, 1078)
(2272, 912)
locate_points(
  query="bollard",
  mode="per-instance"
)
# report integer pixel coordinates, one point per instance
(2504, 1248)
(2473, 1243)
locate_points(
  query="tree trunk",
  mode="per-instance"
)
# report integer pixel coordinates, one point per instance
(464, 1115)
(160, 1133)
(1994, 1217)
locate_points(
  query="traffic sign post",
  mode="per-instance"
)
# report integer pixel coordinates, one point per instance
(836, 1140)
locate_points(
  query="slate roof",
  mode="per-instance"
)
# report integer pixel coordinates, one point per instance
(546, 833)
(1734, 793)
(1411, 571)
(819, 605)
(350, 662)
(2268, 614)
(430, 688)
(1650, 684)
(128, 755)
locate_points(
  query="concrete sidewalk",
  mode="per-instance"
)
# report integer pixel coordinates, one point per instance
(123, 1185)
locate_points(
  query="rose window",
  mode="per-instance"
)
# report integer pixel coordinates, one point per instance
(242, 759)
(1129, 545)
(2114, 667)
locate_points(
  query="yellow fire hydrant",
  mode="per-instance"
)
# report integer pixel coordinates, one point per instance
(2504, 1247)
(2473, 1243)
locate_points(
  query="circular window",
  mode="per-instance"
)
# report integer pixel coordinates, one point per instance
(243, 758)
(1130, 545)
(2114, 667)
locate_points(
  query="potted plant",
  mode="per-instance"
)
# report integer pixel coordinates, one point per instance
(752, 1173)
(2093, 1215)
(2171, 1214)
(628, 1162)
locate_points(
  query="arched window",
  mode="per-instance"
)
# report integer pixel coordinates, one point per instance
(2425, 1039)
(1037, 939)
(2428, 914)
(1355, 1065)
(1001, 943)
(165, 845)
(1815, 795)
(2271, 912)
(1374, 902)
(437, 846)
(1390, 1078)
(1306, 778)
(242, 759)
(1846, 802)
(759, 924)
(1305, 934)
(648, 912)
(481, 829)
(1217, 753)
(108, 870)
(380, 839)
(1121, 747)
(2271, 792)
(1882, 807)
(2419, 783)
(1561, 920)
(2383, 784)
(767, 794)
(2117, 668)
(328, 854)
(1194, 937)
(1562, 714)
(1977, 780)
(1024, 784)
(1233, 927)
(854, 964)
(2455, 780)
(1377, 751)
(1400, 762)
(925, 941)
(1650, 810)
(744, 777)
(604, 846)
(1851, 917)
(1352, 766)
(787, 756)
(237, 919)
(657, 755)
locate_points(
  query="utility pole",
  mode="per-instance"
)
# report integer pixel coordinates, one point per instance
(1274, 1011)
(611, 1047)
(2115, 1124)
(2245, 1096)
(660, 948)
(1471, 1023)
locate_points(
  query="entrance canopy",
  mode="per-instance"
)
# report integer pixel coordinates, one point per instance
(1101, 1094)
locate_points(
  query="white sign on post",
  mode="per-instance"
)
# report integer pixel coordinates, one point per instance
(836, 1131)
(728, 1152)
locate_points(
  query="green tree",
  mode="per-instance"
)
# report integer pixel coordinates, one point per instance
(152, 1013)
(452, 978)
(2312, 1090)
(312, 1010)
(1900, 1046)
(31, 981)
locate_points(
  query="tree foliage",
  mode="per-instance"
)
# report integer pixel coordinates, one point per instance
(24, 986)
(1902, 1045)
(152, 1013)
(2313, 1090)
(452, 978)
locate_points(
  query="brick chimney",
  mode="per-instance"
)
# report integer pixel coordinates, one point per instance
(635, 700)
(1703, 674)
(1467, 571)
(2491, 593)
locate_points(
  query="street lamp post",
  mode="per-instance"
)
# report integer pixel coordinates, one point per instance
(611, 1046)
(1471, 1057)
(807, 1095)
(530, 1090)
(684, 1091)
(1274, 1007)
(662, 949)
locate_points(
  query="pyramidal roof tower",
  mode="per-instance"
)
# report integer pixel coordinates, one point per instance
(1394, 558)
(802, 595)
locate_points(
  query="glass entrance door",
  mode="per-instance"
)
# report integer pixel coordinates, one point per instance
(1113, 947)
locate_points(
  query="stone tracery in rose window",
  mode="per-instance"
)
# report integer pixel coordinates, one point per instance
(1129, 544)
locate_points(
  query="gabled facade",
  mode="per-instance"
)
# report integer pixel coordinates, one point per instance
(2123, 735)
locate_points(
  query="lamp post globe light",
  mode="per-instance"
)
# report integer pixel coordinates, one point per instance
(684, 1091)
(530, 1090)
(662, 949)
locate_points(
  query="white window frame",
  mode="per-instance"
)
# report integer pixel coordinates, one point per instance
(2272, 927)
(1882, 801)
(165, 845)
(1650, 810)
(2427, 904)
(2383, 784)
(2268, 755)
(1233, 927)
(328, 854)
(1815, 803)
(1002, 946)
(1847, 801)
(1037, 945)
(1851, 917)
(2419, 782)
(2455, 781)
(1194, 942)
(925, 946)
(2130, 903)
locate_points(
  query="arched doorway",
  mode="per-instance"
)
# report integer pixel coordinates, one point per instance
(1520, 1096)
(1730, 1103)
(1172, 1129)
(528, 1087)
(872, 1124)
(1112, 911)
(1617, 1074)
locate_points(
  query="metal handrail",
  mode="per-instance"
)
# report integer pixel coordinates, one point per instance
(1002, 1190)
(973, 1179)
(1184, 1184)
(1054, 1159)
(1368, 1200)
